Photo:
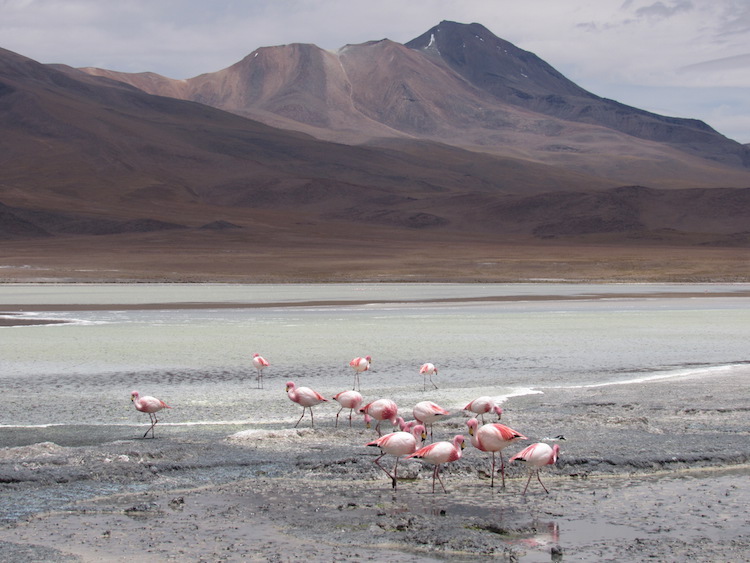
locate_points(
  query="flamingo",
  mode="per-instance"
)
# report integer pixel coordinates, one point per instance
(428, 412)
(427, 370)
(380, 410)
(306, 397)
(260, 362)
(493, 438)
(403, 425)
(348, 400)
(398, 444)
(482, 405)
(359, 365)
(148, 404)
(537, 456)
(439, 453)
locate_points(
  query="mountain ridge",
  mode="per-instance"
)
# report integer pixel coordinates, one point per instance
(485, 104)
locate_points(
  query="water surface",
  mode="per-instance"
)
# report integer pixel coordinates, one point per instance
(199, 359)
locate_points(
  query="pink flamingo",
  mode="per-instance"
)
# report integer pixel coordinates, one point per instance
(428, 412)
(348, 400)
(493, 438)
(427, 370)
(380, 410)
(305, 397)
(359, 365)
(403, 425)
(537, 456)
(398, 444)
(260, 362)
(151, 405)
(439, 453)
(482, 405)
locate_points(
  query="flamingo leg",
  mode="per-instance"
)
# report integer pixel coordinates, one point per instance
(153, 419)
(527, 483)
(395, 473)
(502, 467)
(377, 428)
(303, 415)
(433, 383)
(350, 417)
(436, 474)
(312, 419)
(492, 479)
(377, 462)
(540, 482)
(337, 418)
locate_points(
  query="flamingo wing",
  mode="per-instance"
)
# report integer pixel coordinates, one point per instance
(425, 452)
(537, 455)
(506, 433)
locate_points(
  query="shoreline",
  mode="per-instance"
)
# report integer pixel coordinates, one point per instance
(12, 310)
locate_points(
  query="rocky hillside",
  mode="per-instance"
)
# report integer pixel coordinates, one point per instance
(461, 85)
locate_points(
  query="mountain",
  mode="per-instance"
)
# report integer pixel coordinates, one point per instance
(101, 179)
(461, 85)
(518, 77)
(76, 143)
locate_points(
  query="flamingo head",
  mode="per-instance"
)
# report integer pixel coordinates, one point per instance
(459, 441)
(134, 395)
(419, 432)
(498, 411)
(256, 355)
(290, 386)
(368, 420)
(555, 453)
(473, 424)
(368, 358)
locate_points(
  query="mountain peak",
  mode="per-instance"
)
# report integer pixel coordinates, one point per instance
(494, 64)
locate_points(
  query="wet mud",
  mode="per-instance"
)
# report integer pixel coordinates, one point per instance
(657, 470)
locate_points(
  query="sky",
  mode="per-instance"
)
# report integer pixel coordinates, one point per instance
(682, 58)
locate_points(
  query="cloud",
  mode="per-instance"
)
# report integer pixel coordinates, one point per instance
(661, 10)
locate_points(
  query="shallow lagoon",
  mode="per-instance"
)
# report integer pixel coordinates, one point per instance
(198, 359)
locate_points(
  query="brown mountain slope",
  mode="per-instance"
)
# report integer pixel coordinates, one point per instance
(459, 84)
(72, 142)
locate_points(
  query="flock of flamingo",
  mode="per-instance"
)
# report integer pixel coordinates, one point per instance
(407, 442)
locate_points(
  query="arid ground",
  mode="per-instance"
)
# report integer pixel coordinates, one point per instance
(315, 254)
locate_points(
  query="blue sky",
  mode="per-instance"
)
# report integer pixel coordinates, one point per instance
(686, 58)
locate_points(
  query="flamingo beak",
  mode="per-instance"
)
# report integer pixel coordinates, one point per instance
(471, 431)
(424, 436)
(463, 445)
